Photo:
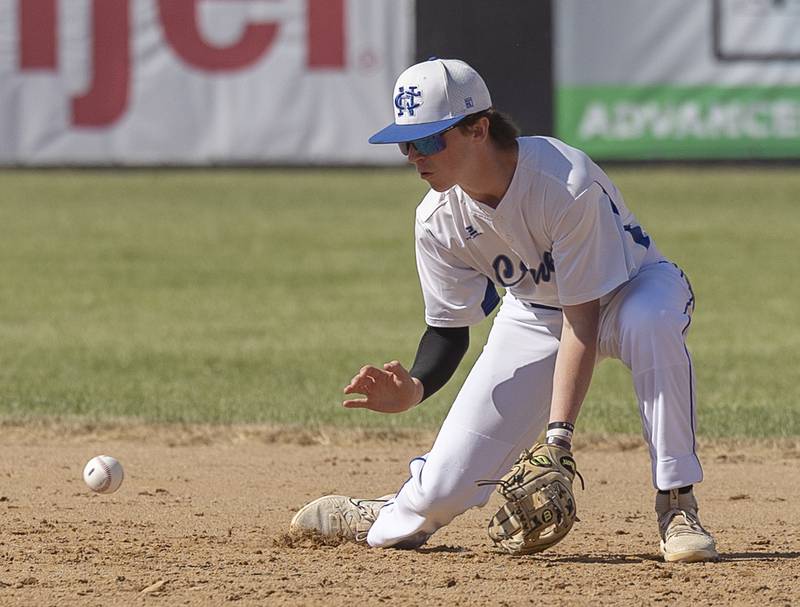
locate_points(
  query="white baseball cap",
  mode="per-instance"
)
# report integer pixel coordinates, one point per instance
(432, 96)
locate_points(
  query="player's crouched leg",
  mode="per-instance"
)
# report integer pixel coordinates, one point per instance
(404, 521)
(653, 318)
(421, 507)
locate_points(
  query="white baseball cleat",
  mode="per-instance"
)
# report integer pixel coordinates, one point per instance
(339, 516)
(683, 539)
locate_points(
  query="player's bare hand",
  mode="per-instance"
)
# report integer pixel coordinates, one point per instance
(387, 390)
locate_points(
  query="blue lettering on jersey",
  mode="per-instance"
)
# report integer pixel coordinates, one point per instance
(504, 270)
(472, 233)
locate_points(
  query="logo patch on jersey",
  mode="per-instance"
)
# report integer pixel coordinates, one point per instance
(472, 233)
(505, 272)
(407, 100)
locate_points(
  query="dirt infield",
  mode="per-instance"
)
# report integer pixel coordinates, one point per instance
(202, 515)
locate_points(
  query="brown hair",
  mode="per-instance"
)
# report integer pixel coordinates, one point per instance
(502, 130)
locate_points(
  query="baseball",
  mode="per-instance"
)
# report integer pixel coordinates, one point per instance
(103, 474)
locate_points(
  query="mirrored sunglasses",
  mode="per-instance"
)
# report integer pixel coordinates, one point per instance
(427, 146)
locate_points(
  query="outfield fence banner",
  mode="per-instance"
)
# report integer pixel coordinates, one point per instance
(199, 82)
(679, 79)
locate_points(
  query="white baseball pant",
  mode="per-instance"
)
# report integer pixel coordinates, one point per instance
(504, 404)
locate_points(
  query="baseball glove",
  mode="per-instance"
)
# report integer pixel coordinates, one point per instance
(540, 507)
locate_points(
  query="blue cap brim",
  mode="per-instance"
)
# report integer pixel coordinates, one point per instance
(401, 133)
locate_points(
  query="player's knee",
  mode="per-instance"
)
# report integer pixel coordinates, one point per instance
(649, 336)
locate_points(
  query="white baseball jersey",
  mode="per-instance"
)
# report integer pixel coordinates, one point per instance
(561, 235)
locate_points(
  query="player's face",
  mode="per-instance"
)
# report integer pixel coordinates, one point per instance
(439, 168)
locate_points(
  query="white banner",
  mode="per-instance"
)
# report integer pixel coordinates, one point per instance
(138, 82)
(684, 78)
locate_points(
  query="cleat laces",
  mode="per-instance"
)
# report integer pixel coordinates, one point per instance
(671, 525)
(356, 521)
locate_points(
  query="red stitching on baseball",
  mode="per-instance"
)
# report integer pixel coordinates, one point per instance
(107, 483)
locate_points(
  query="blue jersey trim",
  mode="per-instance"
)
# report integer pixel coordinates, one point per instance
(540, 306)
(490, 298)
(636, 232)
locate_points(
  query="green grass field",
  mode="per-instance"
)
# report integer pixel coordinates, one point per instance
(254, 296)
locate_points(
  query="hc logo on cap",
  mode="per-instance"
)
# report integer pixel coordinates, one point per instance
(406, 100)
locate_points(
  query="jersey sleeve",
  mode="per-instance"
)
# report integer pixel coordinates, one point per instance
(589, 250)
(455, 295)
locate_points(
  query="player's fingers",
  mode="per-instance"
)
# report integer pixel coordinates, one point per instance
(396, 368)
(376, 379)
(359, 388)
(367, 370)
(362, 372)
(351, 386)
(356, 403)
(374, 373)
(359, 383)
(353, 383)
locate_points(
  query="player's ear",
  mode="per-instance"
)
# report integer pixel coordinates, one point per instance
(480, 129)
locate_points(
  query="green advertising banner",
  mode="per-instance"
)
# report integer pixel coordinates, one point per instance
(673, 122)
(679, 79)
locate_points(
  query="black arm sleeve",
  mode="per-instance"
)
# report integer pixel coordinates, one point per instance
(439, 352)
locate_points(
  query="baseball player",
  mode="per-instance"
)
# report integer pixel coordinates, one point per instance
(583, 281)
